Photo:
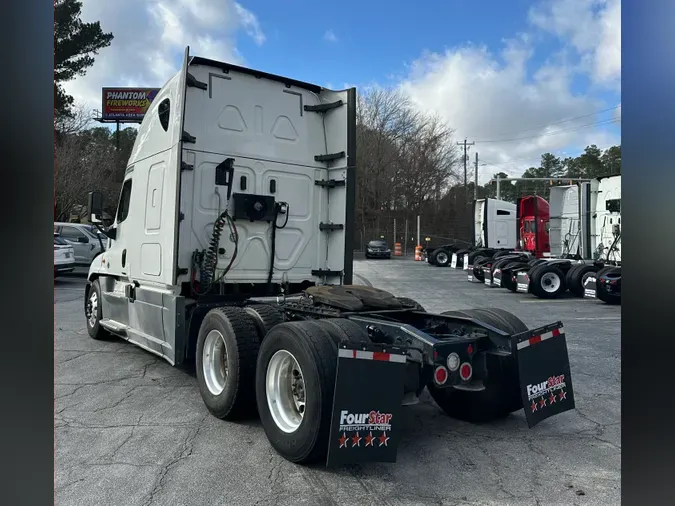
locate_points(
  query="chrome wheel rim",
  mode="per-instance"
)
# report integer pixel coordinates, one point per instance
(550, 282)
(285, 391)
(441, 258)
(214, 363)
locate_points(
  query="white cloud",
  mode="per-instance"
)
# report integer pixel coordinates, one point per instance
(330, 36)
(591, 27)
(513, 111)
(150, 37)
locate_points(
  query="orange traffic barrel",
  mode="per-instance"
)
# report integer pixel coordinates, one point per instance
(418, 253)
(397, 249)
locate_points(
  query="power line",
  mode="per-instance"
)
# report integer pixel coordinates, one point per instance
(557, 132)
(560, 121)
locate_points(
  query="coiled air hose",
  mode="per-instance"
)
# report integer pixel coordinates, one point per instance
(279, 207)
(209, 260)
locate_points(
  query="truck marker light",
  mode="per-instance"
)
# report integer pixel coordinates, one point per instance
(453, 361)
(440, 375)
(465, 371)
(469, 349)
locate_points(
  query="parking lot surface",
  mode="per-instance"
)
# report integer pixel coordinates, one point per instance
(132, 430)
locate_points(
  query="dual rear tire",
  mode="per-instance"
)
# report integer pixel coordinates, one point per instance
(285, 372)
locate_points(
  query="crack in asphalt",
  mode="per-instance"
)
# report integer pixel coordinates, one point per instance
(186, 452)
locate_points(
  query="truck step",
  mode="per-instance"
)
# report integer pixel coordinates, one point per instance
(113, 326)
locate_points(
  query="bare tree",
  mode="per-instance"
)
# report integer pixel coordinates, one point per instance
(83, 166)
(80, 120)
(404, 158)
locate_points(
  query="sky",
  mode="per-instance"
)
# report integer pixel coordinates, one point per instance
(519, 78)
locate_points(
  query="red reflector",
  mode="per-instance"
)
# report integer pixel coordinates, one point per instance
(441, 375)
(435, 355)
(465, 371)
(378, 355)
(469, 349)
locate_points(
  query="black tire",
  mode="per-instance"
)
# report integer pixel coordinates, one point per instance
(478, 273)
(315, 351)
(342, 329)
(517, 325)
(577, 277)
(264, 317)
(95, 330)
(478, 258)
(601, 293)
(474, 255)
(411, 303)
(445, 257)
(502, 393)
(570, 273)
(543, 277)
(239, 334)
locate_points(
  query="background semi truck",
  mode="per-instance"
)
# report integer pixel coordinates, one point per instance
(585, 243)
(498, 226)
(231, 246)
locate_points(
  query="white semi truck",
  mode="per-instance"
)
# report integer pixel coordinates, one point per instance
(494, 229)
(232, 245)
(585, 235)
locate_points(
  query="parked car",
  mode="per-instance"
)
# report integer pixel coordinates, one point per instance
(64, 256)
(86, 242)
(378, 249)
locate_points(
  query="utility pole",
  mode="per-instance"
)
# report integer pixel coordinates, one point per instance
(466, 189)
(475, 185)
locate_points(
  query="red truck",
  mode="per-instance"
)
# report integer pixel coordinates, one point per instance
(533, 225)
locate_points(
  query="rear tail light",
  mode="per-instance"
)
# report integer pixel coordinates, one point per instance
(453, 361)
(440, 375)
(465, 371)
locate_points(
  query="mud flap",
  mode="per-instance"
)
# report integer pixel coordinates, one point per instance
(522, 282)
(465, 265)
(487, 271)
(497, 278)
(469, 276)
(453, 262)
(366, 422)
(544, 372)
(590, 286)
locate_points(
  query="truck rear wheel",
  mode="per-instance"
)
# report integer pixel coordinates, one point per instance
(294, 384)
(227, 345)
(441, 257)
(264, 317)
(547, 282)
(501, 395)
(577, 277)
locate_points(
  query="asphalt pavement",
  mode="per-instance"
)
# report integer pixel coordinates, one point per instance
(132, 430)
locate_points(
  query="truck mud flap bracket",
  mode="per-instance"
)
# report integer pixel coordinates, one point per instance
(544, 372)
(366, 422)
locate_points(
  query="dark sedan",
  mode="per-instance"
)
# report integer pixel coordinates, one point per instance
(378, 249)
